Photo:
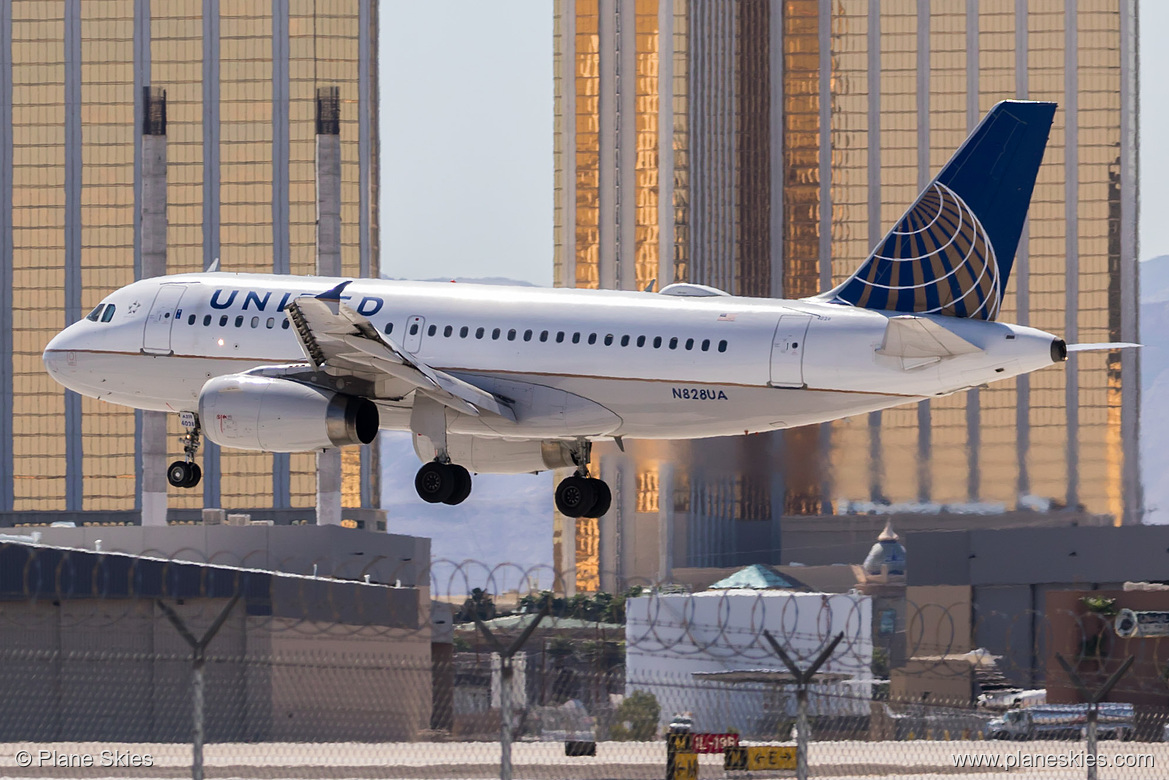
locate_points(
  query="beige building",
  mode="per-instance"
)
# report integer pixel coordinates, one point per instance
(240, 80)
(765, 147)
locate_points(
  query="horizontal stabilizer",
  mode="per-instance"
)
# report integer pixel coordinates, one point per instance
(920, 342)
(1102, 346)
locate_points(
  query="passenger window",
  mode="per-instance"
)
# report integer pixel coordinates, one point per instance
(674, 343)
(576, 337)
(559, 337)
(223, 321)
(495, 334)
(463, 331)
(108, 314)
(95, 315)
(239, 321)
(722, 346)
(705, 345)
(206, 320)
(414, 329)
(592, 338)
(447, 331)
(527, 335)
(479, 333)
(608, 339)
(625, 341)
(271, 323)
(511, 335)
(389, 328)
(657, 342)
(284, 324)
(641, 341)
(543, 335)
(689, 343)
(432, 330)
(191, 320)
(255, 322)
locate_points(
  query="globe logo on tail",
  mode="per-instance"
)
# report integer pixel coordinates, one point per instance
(937, 260)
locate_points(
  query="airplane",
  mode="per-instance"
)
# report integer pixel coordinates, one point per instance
(497, 379)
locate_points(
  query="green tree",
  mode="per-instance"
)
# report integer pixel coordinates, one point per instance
(636, 720)
(478, 605)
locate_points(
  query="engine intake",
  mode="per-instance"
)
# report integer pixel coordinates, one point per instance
(279, 415)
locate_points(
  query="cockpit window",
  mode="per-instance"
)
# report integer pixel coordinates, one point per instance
(96, 313)
(108, 314)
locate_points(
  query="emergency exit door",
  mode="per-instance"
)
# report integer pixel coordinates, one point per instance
(164, 310)
(787, 350)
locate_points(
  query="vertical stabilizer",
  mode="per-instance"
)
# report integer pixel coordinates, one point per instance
(952, 251)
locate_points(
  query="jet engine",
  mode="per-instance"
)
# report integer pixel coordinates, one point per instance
(278, 415)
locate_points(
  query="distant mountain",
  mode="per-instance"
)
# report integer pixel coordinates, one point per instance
(507, 520)
(1154, 313)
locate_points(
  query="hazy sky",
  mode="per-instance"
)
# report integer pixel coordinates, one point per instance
(466, 132)
(466, 118)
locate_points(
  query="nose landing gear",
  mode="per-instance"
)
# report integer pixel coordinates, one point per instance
(186, 473)
(581, 495)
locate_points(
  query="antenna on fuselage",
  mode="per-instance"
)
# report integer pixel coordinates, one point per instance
(214, 266)
(650, 287)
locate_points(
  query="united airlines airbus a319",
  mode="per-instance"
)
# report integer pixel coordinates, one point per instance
(506, 379)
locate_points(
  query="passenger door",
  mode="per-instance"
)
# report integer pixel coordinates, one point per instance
(787, 350)
(163, 313)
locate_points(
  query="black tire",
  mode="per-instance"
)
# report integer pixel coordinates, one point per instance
(462, 487)
(604, 499)
(435, 482)
(196, 475)
(575, 496)
(179, 473)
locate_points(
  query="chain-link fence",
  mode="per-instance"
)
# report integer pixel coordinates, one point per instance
(114, 665)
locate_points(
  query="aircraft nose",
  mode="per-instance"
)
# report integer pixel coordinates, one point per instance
(60, 357)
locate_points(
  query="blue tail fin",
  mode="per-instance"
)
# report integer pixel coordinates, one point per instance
(952, 252)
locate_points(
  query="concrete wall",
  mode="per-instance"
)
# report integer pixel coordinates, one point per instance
(118, 671)
(333, 551)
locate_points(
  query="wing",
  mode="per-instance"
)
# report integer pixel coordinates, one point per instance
(341, 342)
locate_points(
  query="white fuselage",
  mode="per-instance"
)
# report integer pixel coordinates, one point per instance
(579, 363)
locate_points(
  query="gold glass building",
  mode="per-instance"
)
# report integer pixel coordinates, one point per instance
(240, 82)
(764, 147)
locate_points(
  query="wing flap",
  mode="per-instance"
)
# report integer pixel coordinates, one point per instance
(338, 340)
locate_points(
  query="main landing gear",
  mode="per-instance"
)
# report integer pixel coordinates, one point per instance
(581, 495)
(443, 483)
(186, 473)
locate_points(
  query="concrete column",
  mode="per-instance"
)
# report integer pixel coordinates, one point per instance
(329, 264)
(152, 241)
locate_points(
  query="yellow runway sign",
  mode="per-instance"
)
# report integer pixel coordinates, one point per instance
(759, 759)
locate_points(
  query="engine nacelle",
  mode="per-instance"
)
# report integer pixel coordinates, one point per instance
(500, 456)
(278, 415)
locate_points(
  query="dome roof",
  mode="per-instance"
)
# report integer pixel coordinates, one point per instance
(887, 552)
